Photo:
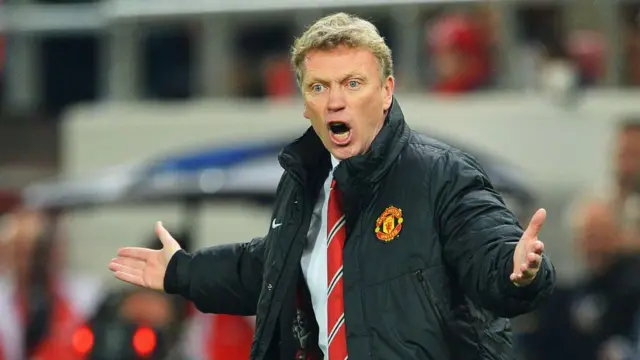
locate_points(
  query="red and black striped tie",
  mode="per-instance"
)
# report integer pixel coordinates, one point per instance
(336, 235)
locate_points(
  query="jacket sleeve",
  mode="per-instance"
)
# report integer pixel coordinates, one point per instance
(479, 236)
(224, 279)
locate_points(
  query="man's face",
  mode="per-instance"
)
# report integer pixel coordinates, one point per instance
(344, 98)
(628, 162)
(19, 236)
(598, 236)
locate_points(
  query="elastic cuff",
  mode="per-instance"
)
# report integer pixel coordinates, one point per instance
(529, 291)
(177, 279)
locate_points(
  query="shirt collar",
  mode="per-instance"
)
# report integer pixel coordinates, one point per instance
(334, 162)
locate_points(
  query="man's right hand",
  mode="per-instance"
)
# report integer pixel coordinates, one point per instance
(145, 267)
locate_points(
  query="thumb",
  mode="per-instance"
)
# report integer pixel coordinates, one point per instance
(535, 225)
(165, 238)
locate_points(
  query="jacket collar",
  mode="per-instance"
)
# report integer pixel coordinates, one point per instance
(307, 159)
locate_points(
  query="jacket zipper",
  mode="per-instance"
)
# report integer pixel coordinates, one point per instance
(423, 285)
(372, 349)
(302, 208)
(425, 290)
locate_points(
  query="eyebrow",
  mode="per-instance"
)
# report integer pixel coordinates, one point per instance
(314, 80)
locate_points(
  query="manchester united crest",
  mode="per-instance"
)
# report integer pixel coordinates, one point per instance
(389, 224)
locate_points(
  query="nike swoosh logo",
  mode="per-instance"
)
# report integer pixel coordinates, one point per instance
(274, 224)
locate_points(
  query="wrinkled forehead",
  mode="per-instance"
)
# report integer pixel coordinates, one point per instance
(340, 62)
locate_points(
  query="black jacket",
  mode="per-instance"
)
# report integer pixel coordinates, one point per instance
(438, 289)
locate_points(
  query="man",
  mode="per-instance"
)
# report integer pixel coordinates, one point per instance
(626, 195)
(41, 303)
(599, 317)
(461, 53)
(384, 244)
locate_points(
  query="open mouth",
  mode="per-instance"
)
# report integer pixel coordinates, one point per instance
(338, 128)
(340, 133)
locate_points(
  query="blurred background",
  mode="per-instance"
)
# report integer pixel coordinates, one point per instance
(118, 113)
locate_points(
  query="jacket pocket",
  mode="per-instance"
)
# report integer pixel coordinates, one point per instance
(426, 295)
(403, 320)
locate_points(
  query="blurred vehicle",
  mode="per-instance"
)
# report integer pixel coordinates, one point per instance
(252, 172)
(237, 171)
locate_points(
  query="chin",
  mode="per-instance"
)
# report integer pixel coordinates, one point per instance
(343, 153)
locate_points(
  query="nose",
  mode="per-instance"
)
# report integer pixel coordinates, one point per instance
(336, 99)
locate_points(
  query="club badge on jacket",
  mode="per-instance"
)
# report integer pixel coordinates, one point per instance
(389, 224)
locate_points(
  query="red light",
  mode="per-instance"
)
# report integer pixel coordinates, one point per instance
(144, 341)
(82, 340)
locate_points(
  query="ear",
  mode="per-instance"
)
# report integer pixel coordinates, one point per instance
(387, 92)
(305, 112)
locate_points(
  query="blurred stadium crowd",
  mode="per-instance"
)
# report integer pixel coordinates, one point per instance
(59, 54)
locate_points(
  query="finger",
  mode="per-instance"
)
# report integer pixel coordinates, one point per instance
(515, 277)
(129, 278)
(534, 261)
(528, 271)
(523, 267)
(164, 235)
(538, 247)
(130, 262)
(535, 224)
(135, 253)
(118, 268)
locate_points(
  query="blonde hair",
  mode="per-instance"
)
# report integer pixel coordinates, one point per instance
(338, 29)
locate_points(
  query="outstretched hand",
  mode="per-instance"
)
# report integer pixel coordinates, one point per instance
(528, 254)
(145, 267)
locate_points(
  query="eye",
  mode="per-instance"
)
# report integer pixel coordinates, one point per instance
(353, 84)
(317, 88)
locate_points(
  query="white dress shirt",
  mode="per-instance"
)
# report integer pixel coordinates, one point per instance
(314, 259)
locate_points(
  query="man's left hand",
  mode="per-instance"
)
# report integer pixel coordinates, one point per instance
(528, 254)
